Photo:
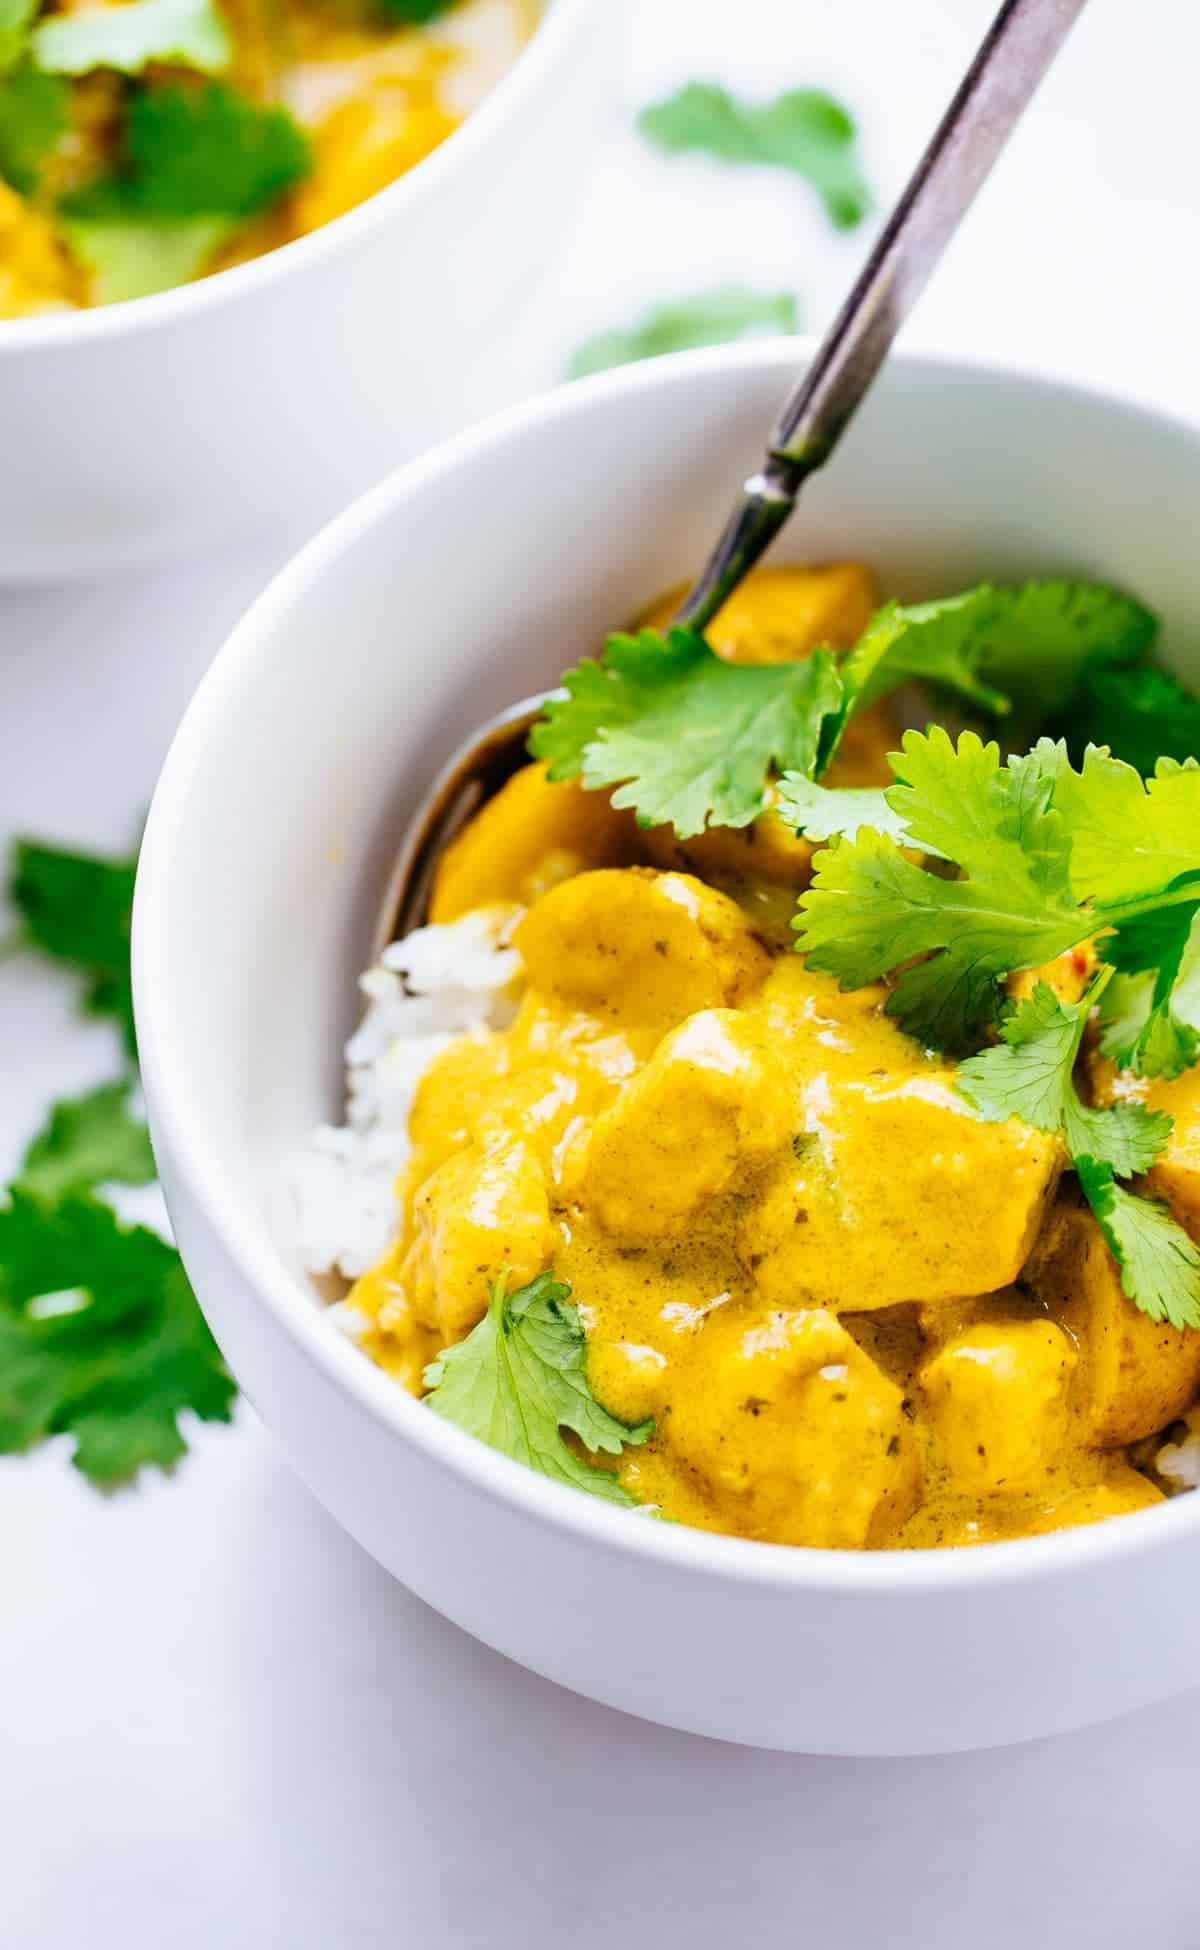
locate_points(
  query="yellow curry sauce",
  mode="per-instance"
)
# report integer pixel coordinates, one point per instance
(375, 98)
(860, 1315)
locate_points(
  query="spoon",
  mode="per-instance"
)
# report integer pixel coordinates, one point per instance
(1015, 54)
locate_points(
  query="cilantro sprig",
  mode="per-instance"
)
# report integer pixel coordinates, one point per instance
(520, 1378)
(33, 119)
(709, 318)
(687, 739)
(805, 132)
(1030, 1074)
(16, 21)
(87, 1141)
(1048, 857)
(416, 13)
(197, 152)
(101, 1339)
(692, 740)
(1141, 714)
(77, 909)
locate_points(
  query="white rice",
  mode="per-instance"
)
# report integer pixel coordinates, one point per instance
(438, 983)
(1178, 1463)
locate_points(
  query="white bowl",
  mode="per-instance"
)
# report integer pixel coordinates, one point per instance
(466, 581)
(278, 389)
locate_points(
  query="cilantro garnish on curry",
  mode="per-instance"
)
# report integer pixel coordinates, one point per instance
(828, 1170)
(144, 143)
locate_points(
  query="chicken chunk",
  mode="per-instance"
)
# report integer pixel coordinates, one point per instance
(795, 1434)
(36, 273)
(644, 947)
(708, 1106)
(479, 1217)
(365, 143)
(1135, 1374)
(996, 1395)
(533, 834)
(780, 614)
(900, 1193)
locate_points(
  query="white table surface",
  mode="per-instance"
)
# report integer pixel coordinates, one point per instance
(220, 1722)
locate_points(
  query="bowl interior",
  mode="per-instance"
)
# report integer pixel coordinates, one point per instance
(473, 578)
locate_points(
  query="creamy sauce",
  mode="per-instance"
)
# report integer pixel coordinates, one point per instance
(859, 1315)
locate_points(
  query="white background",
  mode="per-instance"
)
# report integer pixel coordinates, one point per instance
(219, 1722)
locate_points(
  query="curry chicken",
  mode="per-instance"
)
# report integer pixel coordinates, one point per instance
(859, 1315)
(198, 134)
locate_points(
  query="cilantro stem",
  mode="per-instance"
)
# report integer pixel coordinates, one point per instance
(1122, 911)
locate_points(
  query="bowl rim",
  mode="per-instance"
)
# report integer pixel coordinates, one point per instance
(236, 1221)
(561, 20)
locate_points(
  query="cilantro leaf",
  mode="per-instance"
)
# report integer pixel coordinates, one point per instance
(33, 116)
(520, 1378)
(995, 647)
(417, 12)
(710, 318)
(197, 152)
(77, 908)
(940, 642)
(689, 739)
(1049, 856)
(821, 812)
(1142, 715)
(869, 910)
(1043, 635)
(187, 33)
(804, 131)
(1159, 1264)
(16, 19)
(1130, 836)
(1030, 1074)
(100, 1339)
(134, 257)
(88, 1141)
(1152, 1011)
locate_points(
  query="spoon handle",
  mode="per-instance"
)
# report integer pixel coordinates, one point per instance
(1019, 47)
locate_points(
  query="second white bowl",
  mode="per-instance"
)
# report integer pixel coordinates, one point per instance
(279, 389)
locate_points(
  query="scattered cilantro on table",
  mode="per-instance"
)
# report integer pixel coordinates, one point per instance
(686, 738)
(520, 1378)
(101, 1338)
(186, 33)
(88, 1141)
(77, 908)
(710, 318)
(804, 131)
